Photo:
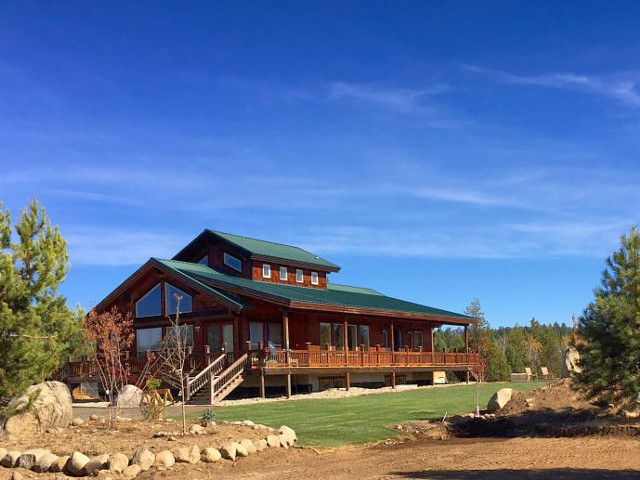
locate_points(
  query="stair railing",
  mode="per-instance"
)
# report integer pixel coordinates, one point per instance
(200, 380)
(232, 372)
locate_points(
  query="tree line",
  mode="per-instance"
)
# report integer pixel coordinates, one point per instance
(505, 350)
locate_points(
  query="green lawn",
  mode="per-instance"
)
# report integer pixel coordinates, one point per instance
(335, 422)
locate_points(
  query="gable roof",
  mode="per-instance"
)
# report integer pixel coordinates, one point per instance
(264, 249)
(350, 288)
(347, 300)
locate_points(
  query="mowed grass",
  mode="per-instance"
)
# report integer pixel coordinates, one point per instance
(328, 423)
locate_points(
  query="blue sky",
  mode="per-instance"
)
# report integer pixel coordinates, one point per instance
(437, 151)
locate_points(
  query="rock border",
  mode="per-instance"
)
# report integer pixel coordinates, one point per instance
(41, 460)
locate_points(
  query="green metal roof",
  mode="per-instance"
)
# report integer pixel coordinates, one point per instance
(351, 297)
(349, 288)
(275, 250)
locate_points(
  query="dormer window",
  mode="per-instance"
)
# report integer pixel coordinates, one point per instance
(233, 262)
(284, 273)
(314, 278)
(299, 275)
(266, 270)
(204, 260)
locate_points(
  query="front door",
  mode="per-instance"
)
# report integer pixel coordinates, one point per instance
(220, 335)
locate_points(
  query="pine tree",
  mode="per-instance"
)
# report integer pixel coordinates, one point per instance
(480, 329)
(609, 330)
(37, 329)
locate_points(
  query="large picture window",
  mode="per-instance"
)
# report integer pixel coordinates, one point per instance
(325, 335)
(363, 336)
(274, 334)
(256, 333)
(184, 333)
(148, 339)
(150, 305)
(418, 340)
(171, 302)
(338, 336)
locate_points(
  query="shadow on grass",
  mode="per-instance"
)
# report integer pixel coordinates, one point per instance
(534, 474)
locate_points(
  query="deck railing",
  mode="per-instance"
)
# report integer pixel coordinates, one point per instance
(374, 357)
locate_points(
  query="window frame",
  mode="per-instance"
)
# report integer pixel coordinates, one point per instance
(284, 277)
(266, 270)
(317, 278)
(157, 285)
(229, 263)
(142, 352)
(301, 272)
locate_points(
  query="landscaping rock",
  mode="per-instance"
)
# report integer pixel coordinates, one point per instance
(130, 397)
(165, 459)
(29, 457)
(499, 399)
(60, 464)
(273, 441)
(570, 362)
(188, 454)
(210, 455)
(241, 451)
(289, 432)
(76, 464)
(96, 464)
(197, 430)
(228, 451)
(144, 458)
(16, 476)
(284, 441)
(249, 446)
(51, 408)
(3, 452)
(260, 444)
(131, 471)
(93, 417)
(11, 458)
(248, 423)
(117, 462)
(44, 462)
(77, 422)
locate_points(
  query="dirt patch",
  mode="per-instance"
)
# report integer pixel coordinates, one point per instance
(94, 438)
(556, 397)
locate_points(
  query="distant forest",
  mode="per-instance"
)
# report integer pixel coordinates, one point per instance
(509, 349)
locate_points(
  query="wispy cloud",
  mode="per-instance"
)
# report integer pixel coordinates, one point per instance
(400, 99)
(621, 87)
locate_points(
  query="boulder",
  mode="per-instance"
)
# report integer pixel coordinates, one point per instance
(11, 458)
(144, 458)
(131, 471)
(273, 441)
(188, 454)
(96, 464)
(29, 457)
(117, 462)
(570, 362)
(130, 397)
(44, 462)
(228, 451)
(289, 432)
(499, 399)
(210, 455)
(284, 441)
(249, 446)
(241, 451)
(76, 464)
(165, 459)
(197, 429)
(60, 464)
(51, 407)
(260, 444)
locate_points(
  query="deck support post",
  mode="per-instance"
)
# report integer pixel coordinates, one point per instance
(263, 392)
(288, 385)
(466, 348)
(393, 379)
(393, 342)
(347, 381)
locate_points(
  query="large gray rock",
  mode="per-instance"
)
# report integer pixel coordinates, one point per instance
(570, 362)
(60, 464)
(75, 465)
(44, 462)
(51, 408)
(130, 397)
(10, 460)
(499, 399)
(144, 458)
(29, 457)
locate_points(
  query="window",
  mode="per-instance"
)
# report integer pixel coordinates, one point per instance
(417, 340)
(338, 336)
(314, 278)
(266, 270)
(204, 260)
(182, 333)
(284, 273)
(363, 336)
(221, 336)
(325, 335)
(352, 333)
(385, 337)
(150, 305)
(148, 339)
(274, 334)
(256, 333)
(171, 302)
(233, 262)
(299, 275)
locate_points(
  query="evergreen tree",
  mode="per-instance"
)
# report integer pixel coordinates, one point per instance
(37, 329)
(477, 331)
(516, 349)
(609, 330)
(497, 366)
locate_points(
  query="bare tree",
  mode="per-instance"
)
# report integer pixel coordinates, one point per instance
(173, 366)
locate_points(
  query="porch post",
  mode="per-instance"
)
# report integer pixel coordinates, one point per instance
(393, 349)
(393, 343)
(285, 322)
(466, 348)
(345, 340)
(262, 385)
(347, 381)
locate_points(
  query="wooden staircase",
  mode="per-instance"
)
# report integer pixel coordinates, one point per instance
(215, 382)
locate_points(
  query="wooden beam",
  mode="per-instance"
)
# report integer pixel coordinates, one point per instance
(288, 385)
(347, 381)
(263, 389)
(345, 340)
(393, 343)
(393, 379)
(285, 323)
